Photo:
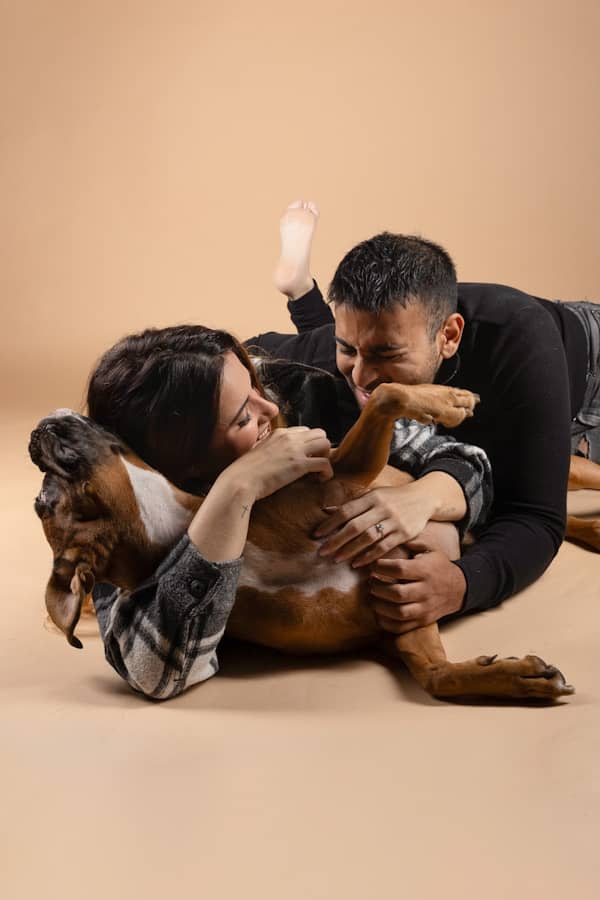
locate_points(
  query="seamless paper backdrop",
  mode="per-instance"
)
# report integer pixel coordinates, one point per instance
(148, 149)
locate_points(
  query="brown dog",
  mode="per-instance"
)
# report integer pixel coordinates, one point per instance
(95, 503)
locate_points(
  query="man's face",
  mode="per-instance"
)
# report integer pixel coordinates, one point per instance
(394, 346)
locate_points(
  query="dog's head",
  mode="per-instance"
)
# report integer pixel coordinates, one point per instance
(83, 474)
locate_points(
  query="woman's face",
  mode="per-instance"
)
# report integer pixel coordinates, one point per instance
(244, 416)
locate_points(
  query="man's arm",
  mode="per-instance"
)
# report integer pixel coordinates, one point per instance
(313, 345)
(310, 311)
(530, 454)
(525, 428)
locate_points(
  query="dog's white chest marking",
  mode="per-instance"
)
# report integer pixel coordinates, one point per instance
(163, 517)
(268, 572)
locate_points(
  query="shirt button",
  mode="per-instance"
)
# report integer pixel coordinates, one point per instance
(197, 588)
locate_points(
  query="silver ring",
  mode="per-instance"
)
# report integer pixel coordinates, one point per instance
(379, 528)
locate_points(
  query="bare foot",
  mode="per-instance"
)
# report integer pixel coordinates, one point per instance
(297, 227)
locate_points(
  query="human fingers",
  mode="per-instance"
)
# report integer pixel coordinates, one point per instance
(369, 538)
(396, 594)
(316, 446)
(378, 551)
(340, 515)
(397, 612)
(319, 466)
(399, 569)
(361, 528)
(417, 547)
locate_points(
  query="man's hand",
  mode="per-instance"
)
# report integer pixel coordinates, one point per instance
(411, 593)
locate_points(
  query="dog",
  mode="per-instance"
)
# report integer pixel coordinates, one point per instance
(109, 517)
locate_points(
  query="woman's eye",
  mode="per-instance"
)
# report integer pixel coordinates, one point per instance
(244, 421)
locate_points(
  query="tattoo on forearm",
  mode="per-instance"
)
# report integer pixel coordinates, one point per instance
(244, 511)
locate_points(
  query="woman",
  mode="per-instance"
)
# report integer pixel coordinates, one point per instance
(187, 400)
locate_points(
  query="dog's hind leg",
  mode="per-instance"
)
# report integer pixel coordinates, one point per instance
(584, 531)
(365, 450)
(529, 678)
(584, 475)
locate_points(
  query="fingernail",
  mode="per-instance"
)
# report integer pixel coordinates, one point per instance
(329, 509)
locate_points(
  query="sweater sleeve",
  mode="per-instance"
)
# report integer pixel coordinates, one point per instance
(528, 429)
(418, 449)
(163, 636)
(310, 311)
(313, 345)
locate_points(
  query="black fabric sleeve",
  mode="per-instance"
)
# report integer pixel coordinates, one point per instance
(310, 311)
(528, 443)
(312, 348)
(313, 345)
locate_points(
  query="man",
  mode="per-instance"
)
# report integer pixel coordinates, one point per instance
(401, 317)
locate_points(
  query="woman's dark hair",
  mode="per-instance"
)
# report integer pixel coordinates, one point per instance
(397, 268)
(159, 392)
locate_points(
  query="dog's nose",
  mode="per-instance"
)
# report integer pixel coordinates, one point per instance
(44, 505)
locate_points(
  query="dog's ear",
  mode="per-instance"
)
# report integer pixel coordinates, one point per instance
(64, 607)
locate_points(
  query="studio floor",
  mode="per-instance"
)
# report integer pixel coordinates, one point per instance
(279, 778)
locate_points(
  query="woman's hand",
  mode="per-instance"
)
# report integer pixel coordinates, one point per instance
(351, 530)
(287, 454)
(220, 527)
(401, 513)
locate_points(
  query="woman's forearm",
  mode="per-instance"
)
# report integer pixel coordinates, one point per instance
(220, 527)
(442, 495)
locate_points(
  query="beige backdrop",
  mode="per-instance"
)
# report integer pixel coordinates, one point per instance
(148, 149)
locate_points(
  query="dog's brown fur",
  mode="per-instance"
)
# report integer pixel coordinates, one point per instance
(108, 542)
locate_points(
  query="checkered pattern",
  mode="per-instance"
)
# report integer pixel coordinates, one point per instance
(162, 638)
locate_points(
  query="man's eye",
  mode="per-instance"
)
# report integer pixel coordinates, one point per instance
(346, 351)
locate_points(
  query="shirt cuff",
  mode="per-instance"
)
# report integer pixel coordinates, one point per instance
(478, 576)
(310, 311)
(186, 573)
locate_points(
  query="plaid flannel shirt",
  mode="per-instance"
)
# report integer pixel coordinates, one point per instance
(162, 637)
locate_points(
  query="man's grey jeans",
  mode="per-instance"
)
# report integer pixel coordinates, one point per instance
(585, 427)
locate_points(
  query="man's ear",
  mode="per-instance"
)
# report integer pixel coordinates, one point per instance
(64, 607)
(451, 334)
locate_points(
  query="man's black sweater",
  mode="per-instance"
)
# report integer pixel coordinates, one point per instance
(527, 359)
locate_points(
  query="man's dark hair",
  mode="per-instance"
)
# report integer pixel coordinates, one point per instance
(396, 268)
(159, 392)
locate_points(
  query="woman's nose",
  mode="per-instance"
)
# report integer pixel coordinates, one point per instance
(267, 409)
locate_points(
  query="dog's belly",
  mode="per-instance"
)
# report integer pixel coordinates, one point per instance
(301, 603)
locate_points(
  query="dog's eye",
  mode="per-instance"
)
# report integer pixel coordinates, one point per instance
(85, 515)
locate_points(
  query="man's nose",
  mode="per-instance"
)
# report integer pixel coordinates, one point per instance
(364, 373)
